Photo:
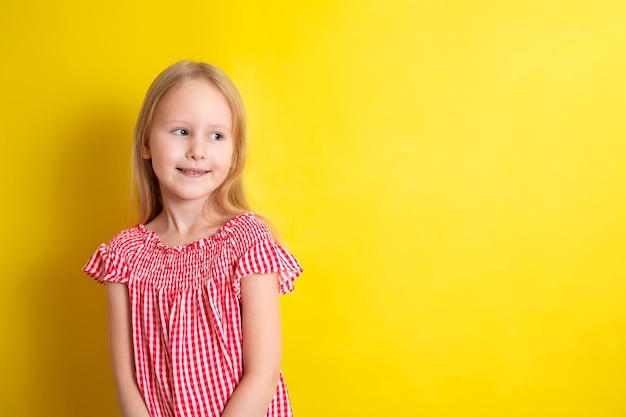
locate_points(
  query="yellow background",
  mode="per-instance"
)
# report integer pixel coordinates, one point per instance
(450, 173)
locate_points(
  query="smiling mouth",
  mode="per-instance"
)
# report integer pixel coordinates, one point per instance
(192, 172)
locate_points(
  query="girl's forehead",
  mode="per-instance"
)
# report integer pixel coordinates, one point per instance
(194, 96)
(194, 85)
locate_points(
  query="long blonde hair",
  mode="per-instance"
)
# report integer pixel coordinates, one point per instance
(230, 197)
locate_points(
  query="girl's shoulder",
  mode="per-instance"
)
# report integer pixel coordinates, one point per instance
(246, 229)
(130, 238)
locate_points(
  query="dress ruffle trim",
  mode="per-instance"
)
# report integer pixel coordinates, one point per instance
(105, 265)
(267, 257)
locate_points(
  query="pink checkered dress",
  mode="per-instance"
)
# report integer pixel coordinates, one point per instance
(186, 312)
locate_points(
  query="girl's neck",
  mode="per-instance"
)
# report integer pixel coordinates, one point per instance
(180, 225)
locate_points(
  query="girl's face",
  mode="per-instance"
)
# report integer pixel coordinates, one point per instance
(190, 141)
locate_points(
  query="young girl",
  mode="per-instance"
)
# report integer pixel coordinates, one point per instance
(193, 290)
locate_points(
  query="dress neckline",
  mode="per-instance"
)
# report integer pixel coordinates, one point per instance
(152, 237)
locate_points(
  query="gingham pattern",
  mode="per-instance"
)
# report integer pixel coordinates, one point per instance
(186, 313)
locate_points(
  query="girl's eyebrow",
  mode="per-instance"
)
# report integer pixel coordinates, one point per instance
(185, 122)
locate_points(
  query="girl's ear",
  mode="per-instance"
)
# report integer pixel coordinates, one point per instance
(146, 152)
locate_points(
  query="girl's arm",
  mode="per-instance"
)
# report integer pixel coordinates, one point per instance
(129, 398)
(262, 338)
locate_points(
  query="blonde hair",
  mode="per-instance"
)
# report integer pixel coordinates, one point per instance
(229, 197)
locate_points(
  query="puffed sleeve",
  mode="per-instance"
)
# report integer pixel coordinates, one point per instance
(107, 265)
(264, 257)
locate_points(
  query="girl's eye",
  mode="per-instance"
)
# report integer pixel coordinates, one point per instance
(181, 132)
(216, 136)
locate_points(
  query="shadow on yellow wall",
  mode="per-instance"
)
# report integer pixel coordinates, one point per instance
(65, 355)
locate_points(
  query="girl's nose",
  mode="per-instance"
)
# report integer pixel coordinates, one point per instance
(196, 151)
(196, 155)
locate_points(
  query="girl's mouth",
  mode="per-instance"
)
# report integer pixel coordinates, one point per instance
(192, 172)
